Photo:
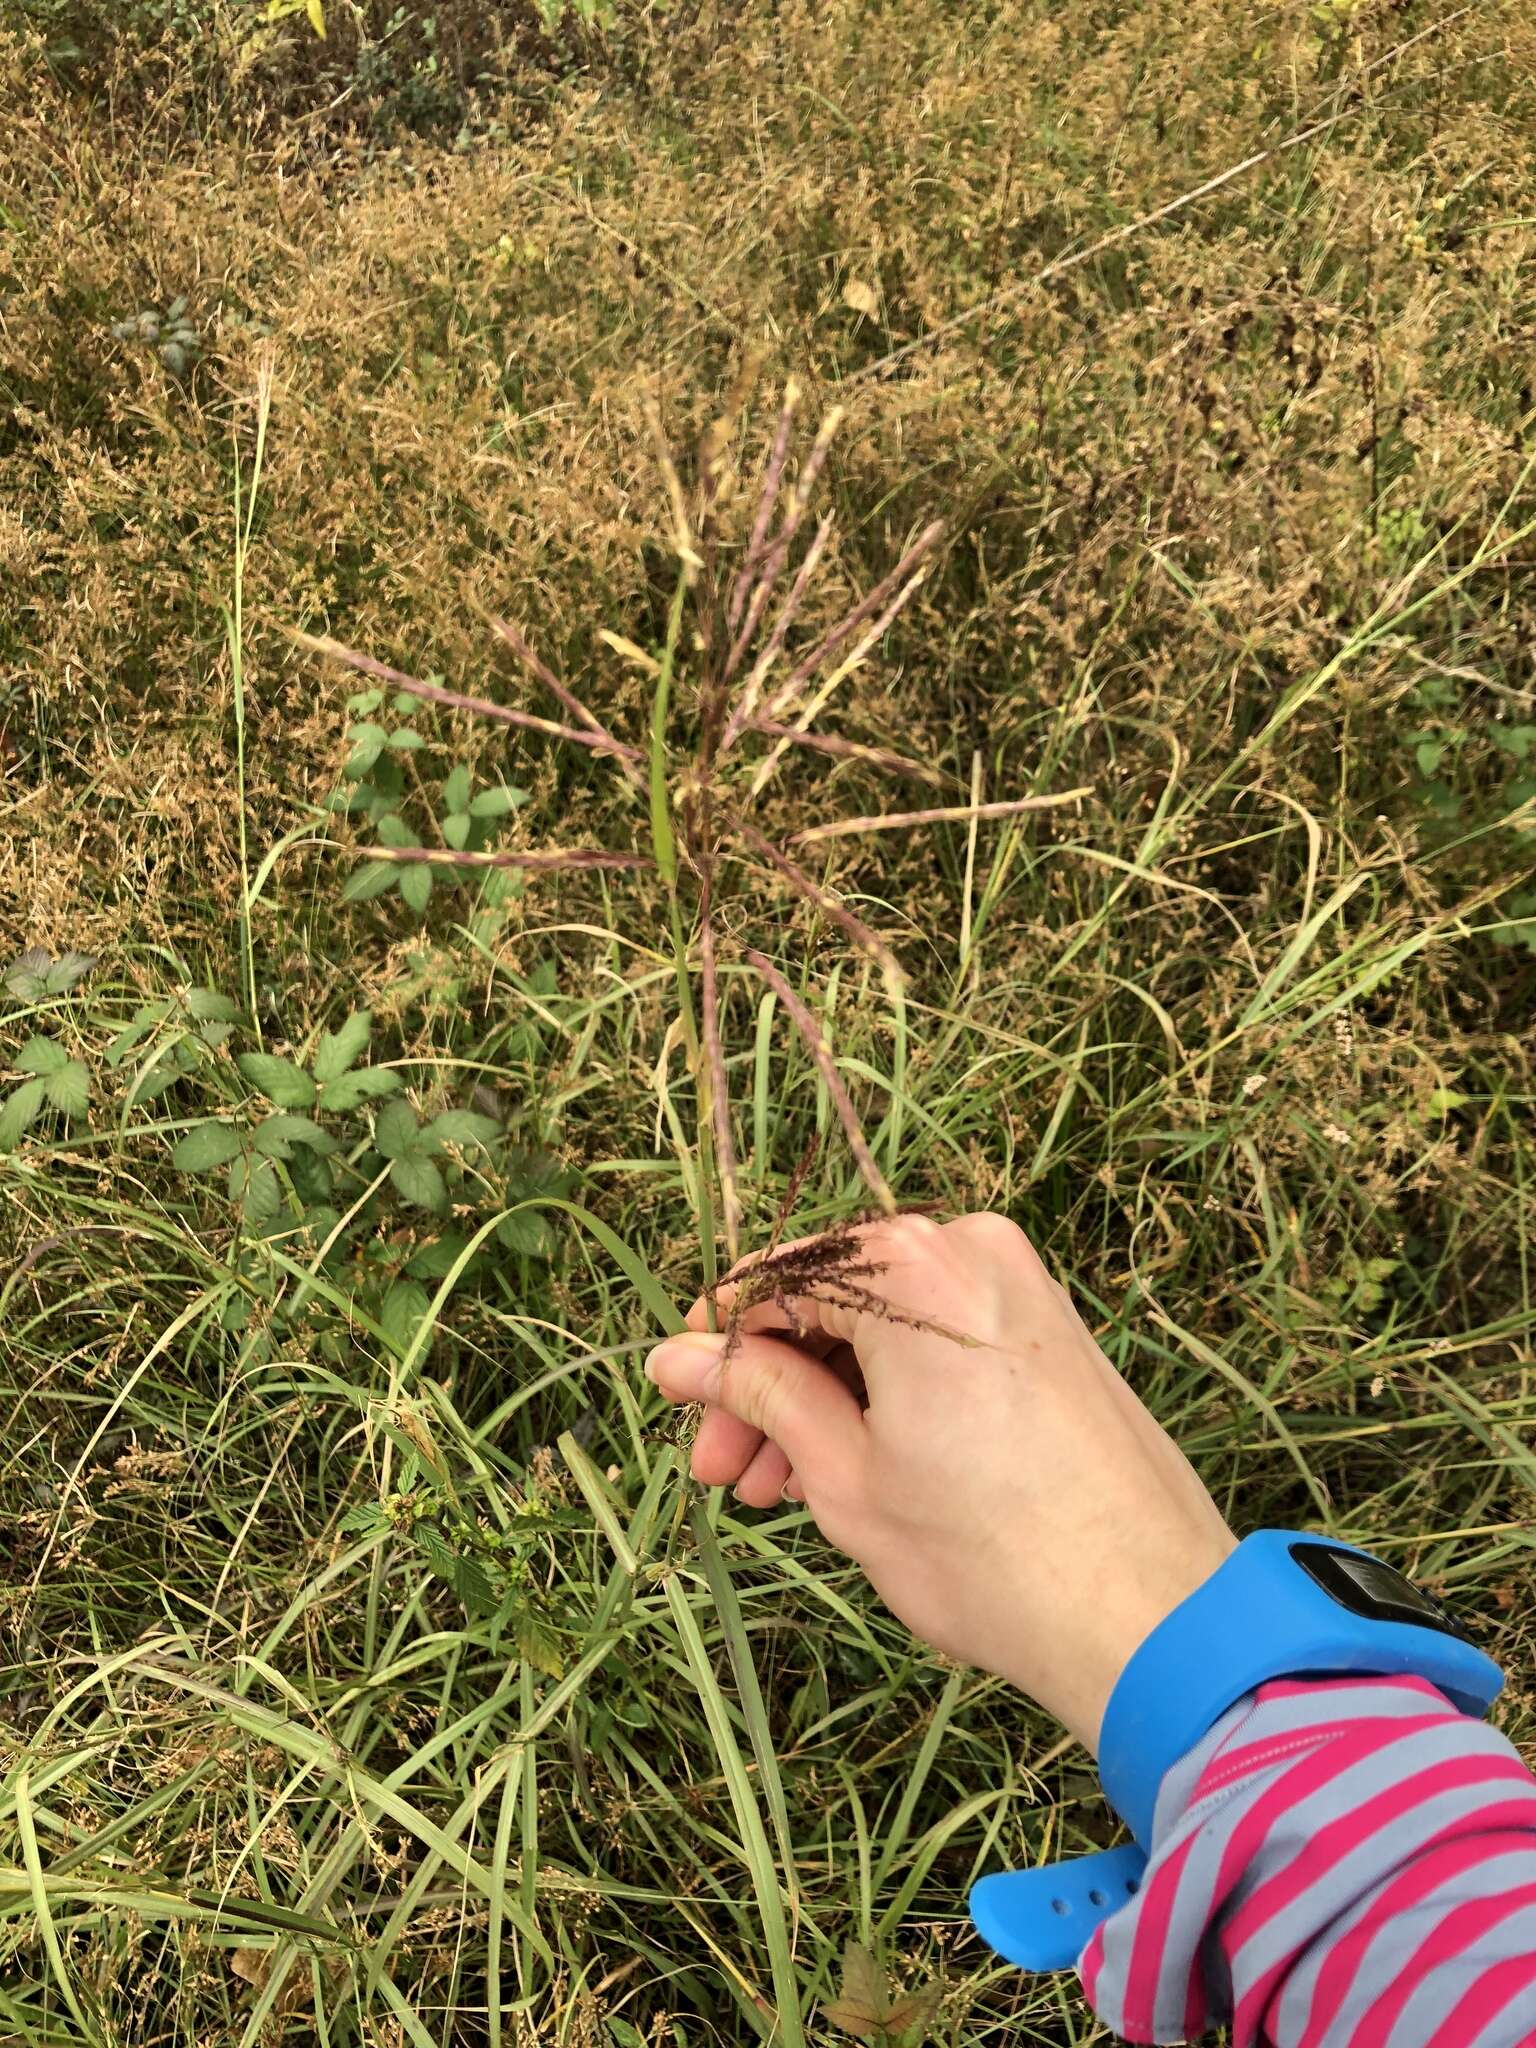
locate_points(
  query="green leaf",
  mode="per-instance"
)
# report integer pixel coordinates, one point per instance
(18, 1111)
(527, 1233)
(402, 1312)
(313, 1181)
(435, 1548)
(1443, 1100)
(348, 1090)
(418, 1181)
(406, 704)
(368, 1520)
(393, 831)
(456, 829)
(254, 1185)
(338, 1049)
(368, 742)
(277, 1136)
(395, 1130)
(464, 1127)
(371, 879)
(473, 1586)
(438, 1256)
(456, 789)
(495, 803)
(1429, 754)
(363, 702)
(279, 1080)
(42, 1056)
(206, 1146)
(537, 1643)
(153, 1084)
(416, 884)
(406, 741)
(144, 1020)
(69, 1090)
(66, 971)
(210, 1007)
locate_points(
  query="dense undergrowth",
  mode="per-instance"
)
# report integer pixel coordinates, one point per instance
(361, 1676)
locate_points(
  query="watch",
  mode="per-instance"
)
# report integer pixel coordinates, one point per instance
(1283, 1605)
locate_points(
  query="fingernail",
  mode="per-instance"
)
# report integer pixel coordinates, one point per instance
(681, 1359)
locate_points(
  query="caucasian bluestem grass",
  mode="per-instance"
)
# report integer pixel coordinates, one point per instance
(753, 690)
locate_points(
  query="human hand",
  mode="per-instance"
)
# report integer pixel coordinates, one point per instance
(960, 1435)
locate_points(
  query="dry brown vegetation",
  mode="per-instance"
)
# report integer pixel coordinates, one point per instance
(1236, 536)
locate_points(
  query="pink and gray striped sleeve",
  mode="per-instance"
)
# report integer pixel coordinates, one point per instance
(1340, 1863)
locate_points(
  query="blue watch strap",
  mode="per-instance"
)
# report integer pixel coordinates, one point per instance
(1043, 1919)
(1262, 1614)
(1282, 1605)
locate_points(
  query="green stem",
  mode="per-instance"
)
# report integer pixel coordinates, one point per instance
(234, 624)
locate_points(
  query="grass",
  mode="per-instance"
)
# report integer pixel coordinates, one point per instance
(367, 1673)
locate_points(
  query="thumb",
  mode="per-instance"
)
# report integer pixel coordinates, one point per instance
(796, 1401)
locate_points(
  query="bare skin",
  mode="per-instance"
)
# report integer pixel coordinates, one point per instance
(1009, 1497)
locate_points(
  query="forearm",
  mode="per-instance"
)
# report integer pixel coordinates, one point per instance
(1338, 1864)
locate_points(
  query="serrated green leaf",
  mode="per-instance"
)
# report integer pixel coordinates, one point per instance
(495, 803)
(17, 1112)
(42, 1056)
(417, 1180)
(371, 879)
(338, 1049)
(206, 1146)
(537, 1643)
(527, 1233)
(212, 1007)
(416, 884)
(69, 1090)
(66, 971)
(464, 1127)
(393, 831)
(435, 1549)
(310, 1172)
(348, 1090)
(456, 829)
(276, 1136)
(456, 789)
(367, 1520)
(26, 977)
(402, 1311)
(279, 1080)
(254, 1185)
(396, 1130)
(473, 1585)
(439, 1256)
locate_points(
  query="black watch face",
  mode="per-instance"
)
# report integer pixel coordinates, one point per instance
(1369, 1588)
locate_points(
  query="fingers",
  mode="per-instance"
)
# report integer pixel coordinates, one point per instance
(762, 1484)
(724, 1447)
(808, 1415)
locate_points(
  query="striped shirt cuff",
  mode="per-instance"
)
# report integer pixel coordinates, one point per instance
(1342, 1863)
